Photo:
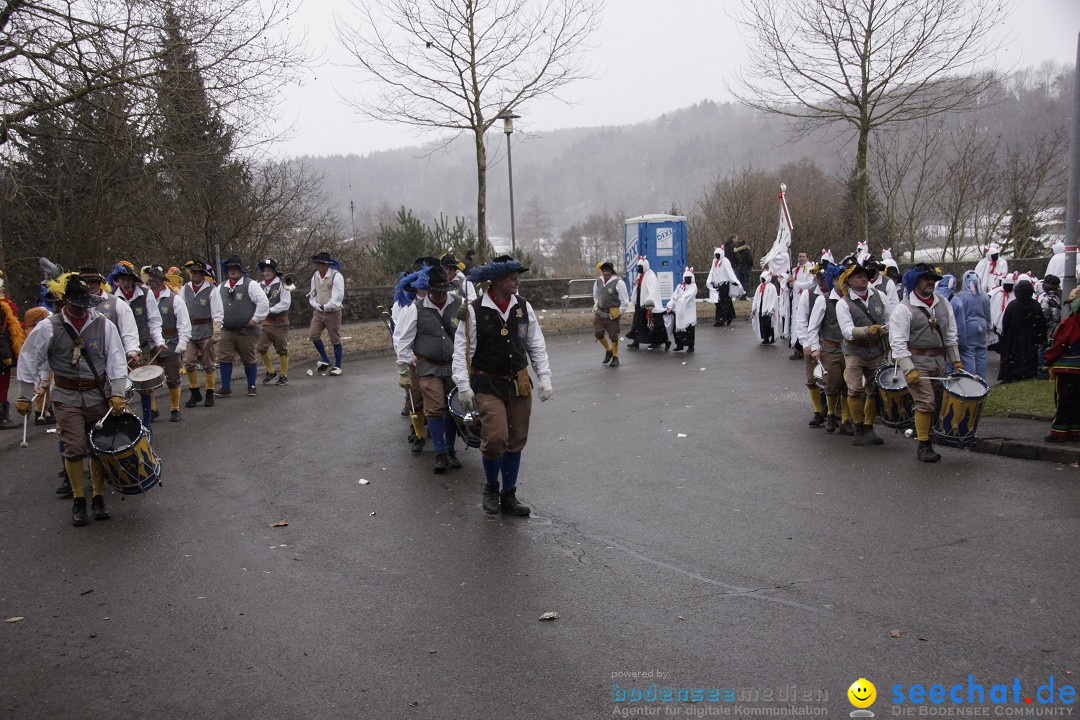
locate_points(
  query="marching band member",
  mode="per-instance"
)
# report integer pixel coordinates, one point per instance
(424, 343)
(992, 269)
(610, 301)
(11, 340)
(275, 328)
(883, 281)
(327, 295)
(723, 285)
(175, 333)
(493, 349)
(115, 309)
(460, 284)
(149, 326)
(244, 306)
(863, 316)
(411, 287)
(802, 325)
(826, 346)
(645, 299)
(922, 335)
(205, 313)
(86, 356)
(683, 305)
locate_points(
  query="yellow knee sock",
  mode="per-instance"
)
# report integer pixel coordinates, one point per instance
(267, 361)
(922, 426)
(845, 414)
(193, 379)
(607, 345)
(97, 473)
(830, 403)
(869, 410)
(855, 409)
(284, 365)
(815, 398)
(153, 401)
(209, 380)
(614, 348)
(174, 398)
(76, 476)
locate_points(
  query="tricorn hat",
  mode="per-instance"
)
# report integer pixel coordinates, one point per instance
(233, 261)
(89, 272)
(74, 290)
(269, 263)
(324, 257)
(448, 260)
(496, 268)
(155, 271)
(605, 265)
(438, 279)
(199, 266)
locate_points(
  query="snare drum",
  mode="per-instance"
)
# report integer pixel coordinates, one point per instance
(123, 446)
(147, 378)
(467, 421)
(962, 397)
(895, 404)
(819, 376)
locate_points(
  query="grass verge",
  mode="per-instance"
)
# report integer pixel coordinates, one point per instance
(1027, 397)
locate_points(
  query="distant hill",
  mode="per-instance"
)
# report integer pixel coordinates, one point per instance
(572, 173)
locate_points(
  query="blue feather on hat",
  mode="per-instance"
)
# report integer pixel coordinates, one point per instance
(495, 269)
(405, 290)
(832, 271)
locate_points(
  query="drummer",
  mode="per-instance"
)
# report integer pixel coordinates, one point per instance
(862, 316)
(129, 288)
(922, 335)
(826, 347)
(172, 312)
(86, 356)
(802, 323)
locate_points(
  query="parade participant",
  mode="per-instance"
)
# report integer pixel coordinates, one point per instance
(327, 295)
(742, 259)
(862, 315)
(799, 281)
(86, 356)
(495, 344)
(826, 346)
(802, 325)
(11, 340)
(175, 332)
(1000, 297)
(205, 313)
(424, 343)
(410, 288)
(922, 336)
(129, 288)
(1056, 266)
(683, 305)
(275, 328)
(883, 280)
(645, 298)
(1063, 357)
(460, 285)
(610, 301)
(723, 285)
(114, 308)
(992, 269)
(1023, 330)
(244, 307)
(971, 308)
(765, 309)
(470, 260)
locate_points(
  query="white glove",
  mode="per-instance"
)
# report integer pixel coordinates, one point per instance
(467, 398)
(545, 391)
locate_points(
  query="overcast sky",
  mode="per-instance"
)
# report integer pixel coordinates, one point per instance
(647, 62)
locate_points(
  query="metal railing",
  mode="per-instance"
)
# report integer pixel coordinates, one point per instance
(571, 295)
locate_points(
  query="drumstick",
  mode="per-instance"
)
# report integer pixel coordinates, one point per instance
(25, 418)
(101, 423)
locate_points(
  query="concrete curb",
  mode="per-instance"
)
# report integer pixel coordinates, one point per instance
(1067, 454)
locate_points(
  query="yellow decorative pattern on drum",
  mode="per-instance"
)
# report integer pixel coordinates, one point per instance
(123, 447)
(896, 407)
(957, 419)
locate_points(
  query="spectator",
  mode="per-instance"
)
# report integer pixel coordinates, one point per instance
(1023, 329)
(744, 261)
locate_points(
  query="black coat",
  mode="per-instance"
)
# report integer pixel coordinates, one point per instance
(1023, 329)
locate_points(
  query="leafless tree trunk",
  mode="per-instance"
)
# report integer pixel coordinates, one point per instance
(457, 64)
(866, 63)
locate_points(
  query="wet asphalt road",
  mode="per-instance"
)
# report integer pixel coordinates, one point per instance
(752, 553)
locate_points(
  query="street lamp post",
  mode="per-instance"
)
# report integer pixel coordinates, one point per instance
(508, 118)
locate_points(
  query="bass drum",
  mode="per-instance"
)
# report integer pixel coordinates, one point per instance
(962, 397)
(895, 404)
(467, 421)
(123, 446)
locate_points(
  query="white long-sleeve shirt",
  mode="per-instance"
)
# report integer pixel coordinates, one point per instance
(34, 356)
(183, 320)
(900, 329)
(405, 328)
(813, 330)
(153, 318)
(125, 324)
(217, 310)
(624, 297)
(843, 311)
(802, 316)
(466, 332)
(284, 299)
(337, 293)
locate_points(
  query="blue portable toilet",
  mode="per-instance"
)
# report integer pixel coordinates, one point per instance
(662, 240)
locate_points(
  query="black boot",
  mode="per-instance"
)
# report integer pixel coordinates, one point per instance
(634, 345)
(869, 437)
(97, 506)
(614, 362)
(174, 416)
(858, 439)
(846, 428)
(817, 421)
(209, 398)
(452, 460)
(64, 491)
(491, 499)
(417, 445)
(78, 512)
(926, 453)
(440, 463)
(831, 423)
(5, 418)
(509, 504)
(195, 399)
(607, 357)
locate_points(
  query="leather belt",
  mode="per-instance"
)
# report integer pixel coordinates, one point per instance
(829, 343)
(500, 376)
(75, 385)
(433, 361)
(932, 352)
(865, 342)
(170, 332)
(201, 321)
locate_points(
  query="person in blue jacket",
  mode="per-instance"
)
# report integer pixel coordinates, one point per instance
(972, 309)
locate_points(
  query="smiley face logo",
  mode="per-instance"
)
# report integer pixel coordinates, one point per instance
(862, 693)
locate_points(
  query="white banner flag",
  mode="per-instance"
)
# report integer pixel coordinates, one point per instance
(778, 259)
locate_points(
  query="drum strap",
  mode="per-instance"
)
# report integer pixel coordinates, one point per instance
(933, 323)
(99, 380)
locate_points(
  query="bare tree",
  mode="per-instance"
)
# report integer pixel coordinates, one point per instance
(866, 63)
(457, 64)
(907, 166)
